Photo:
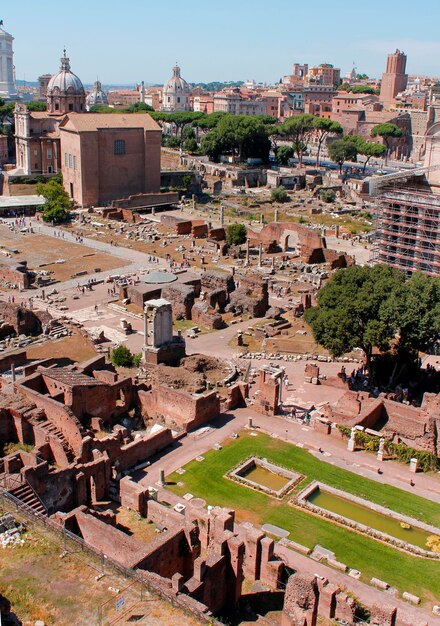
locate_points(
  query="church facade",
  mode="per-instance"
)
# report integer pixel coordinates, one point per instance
(103, 157)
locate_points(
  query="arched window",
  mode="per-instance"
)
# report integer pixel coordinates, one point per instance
(119, 146)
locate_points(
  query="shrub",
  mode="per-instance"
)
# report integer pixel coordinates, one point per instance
(327, 195)
(172, 142)
(236, 234)
(121, 356)
(279, 195)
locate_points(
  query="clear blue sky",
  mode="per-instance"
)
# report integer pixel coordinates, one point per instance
(133, 40)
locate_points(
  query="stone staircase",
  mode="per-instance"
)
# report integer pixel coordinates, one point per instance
(41, 421)
(27, 496)
(57, 329)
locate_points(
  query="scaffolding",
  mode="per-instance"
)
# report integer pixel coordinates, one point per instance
(407, 228)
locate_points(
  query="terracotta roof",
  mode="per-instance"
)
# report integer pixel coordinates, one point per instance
(38, 115)
(88, 122)
(69, 377)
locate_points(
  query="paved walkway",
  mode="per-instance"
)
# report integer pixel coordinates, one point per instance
(334, 451)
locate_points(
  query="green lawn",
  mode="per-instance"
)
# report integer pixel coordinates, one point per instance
(372, 558)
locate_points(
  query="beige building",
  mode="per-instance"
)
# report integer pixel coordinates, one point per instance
(106, 157)
(324, 74)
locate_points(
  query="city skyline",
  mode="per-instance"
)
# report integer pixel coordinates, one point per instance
(150, 40)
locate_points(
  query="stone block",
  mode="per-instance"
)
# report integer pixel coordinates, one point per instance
(379, 583)
(409, 597)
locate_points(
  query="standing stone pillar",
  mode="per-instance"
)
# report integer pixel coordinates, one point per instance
(250, 424)
(247, 252)
(161, 480)
(260, 254)
(413, 465)
(380, 451)
(146, 326)
(351, 446)
(275, 217)
(222, 215)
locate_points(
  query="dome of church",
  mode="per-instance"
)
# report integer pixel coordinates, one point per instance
(96, 96)
(176, 93)
(176, 84)
(65, 82)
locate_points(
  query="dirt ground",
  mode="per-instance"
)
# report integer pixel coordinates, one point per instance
(294, 341)
(41, 584)
(75, 347)
(42, 252)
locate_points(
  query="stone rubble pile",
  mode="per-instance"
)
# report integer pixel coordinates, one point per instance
(10, 532)
(295, 357)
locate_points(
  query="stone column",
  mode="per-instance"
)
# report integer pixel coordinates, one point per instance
(260, 254)
(222, 215)
(247, 252)
(352, 441)
(161, 480)
(380, 452)
(145, 326)
(413, 465)
(275, 217)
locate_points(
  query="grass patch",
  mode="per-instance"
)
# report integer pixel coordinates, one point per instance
(372, 558)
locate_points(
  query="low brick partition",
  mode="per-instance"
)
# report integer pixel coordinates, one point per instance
(238, 475)
(302, 501)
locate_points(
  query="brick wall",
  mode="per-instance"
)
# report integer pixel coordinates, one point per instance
(186, 410)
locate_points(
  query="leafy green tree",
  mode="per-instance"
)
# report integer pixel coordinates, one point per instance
(299, 130)
(190, 145)
(419, 314)
(212, 145)
(279, 195)
(236, 234)
(342, 150)
(266, 119)
(181, 119)
(6, 111)
(370, 149)
(37, 105)
(364, 89)
(207, 121)
(103, 108)
(121, 356)
(323, 128)
(283, 154)
(140, 107)
(57, 205)
(172, 142)
(387, 131)
(240, 135)
(358, 308)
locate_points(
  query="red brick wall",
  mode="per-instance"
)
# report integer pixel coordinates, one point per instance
(185, 410)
